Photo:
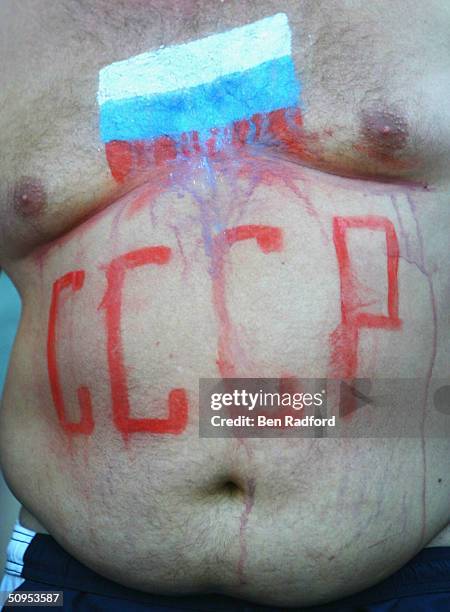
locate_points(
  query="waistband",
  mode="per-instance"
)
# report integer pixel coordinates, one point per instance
(45, 561)
(20, 540)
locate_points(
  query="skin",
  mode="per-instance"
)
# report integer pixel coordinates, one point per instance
(284, 521)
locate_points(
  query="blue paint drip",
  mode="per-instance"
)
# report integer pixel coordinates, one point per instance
(268, 87)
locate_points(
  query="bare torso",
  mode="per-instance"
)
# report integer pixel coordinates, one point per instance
(284, 521)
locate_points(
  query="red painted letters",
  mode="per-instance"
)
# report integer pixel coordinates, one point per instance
(344, 339)
(176, 422)
(75, 281)
(269, 239)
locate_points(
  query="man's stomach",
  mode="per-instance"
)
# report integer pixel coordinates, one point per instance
(292, 275)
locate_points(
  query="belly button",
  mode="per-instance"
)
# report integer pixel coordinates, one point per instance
(230, 488)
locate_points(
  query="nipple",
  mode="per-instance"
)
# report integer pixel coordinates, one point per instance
(384, 132)
(29, 197)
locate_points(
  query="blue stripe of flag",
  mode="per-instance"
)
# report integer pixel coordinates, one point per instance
(270, 86)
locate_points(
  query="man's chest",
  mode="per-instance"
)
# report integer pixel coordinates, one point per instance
(191, 87)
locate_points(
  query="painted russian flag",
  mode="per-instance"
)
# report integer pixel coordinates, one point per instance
(204, 84)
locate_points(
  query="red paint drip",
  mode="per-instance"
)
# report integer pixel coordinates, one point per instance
(291, 385)
(73, 280)
(164, 150)
(211, 143)
(116, 271)
(148, 194)
(284, 127)
(249, 503)
(345, 338)
(281, 128)
(195, 143)
(421, 263)
(120, 159)
(241, 130)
